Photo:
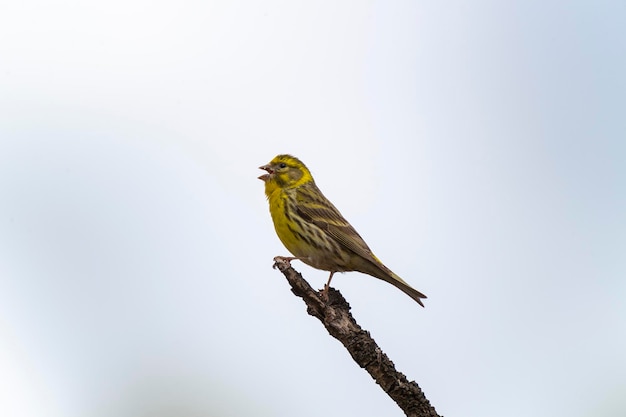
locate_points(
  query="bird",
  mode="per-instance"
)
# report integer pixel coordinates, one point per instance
(314, 231)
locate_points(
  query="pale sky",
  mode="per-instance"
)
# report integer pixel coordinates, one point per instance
(479, 148)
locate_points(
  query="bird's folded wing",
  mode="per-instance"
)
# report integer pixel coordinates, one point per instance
(324, 215)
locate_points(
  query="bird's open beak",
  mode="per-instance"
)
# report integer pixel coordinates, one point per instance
(270, 171)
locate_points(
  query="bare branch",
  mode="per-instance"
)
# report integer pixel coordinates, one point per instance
(334, 313)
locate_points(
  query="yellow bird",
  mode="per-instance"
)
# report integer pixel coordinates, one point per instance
(314, 231)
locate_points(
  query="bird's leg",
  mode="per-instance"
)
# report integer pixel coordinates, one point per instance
(329, 279)
(327, 286)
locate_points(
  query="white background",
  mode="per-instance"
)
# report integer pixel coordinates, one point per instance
(478, 147)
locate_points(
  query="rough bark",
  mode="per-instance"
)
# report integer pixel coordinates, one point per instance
(334, 313)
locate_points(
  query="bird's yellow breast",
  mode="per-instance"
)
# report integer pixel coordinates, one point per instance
(284, 228)
(298, 241)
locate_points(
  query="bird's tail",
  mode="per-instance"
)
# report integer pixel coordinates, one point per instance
(406, 288)
(384, 273)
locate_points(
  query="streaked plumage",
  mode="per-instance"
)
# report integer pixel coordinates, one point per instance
(313, 230)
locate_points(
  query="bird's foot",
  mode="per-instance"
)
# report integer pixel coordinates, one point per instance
(324, 293)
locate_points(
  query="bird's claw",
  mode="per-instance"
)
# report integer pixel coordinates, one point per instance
(324, 293)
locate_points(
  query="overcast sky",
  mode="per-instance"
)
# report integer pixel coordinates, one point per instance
(478, 147)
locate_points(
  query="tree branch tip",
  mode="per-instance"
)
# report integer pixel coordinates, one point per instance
(281, 263)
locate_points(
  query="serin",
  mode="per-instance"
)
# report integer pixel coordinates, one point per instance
(314, 231)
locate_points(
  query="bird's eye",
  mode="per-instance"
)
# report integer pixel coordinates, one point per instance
(283, 165)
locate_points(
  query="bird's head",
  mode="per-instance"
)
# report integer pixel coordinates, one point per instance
(285, 171)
